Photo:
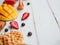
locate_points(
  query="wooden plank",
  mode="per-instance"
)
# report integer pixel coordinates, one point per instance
(47, 28)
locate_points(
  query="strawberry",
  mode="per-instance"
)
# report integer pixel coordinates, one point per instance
(25, 16)
(14, 24)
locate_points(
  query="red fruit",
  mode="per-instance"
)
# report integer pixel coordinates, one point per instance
(14, 24)
(11, 2)
(25, 16)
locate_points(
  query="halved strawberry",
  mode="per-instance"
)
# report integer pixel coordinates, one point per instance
(14, 24)
(25, 16)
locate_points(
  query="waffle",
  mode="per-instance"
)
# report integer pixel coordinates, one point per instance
(22, 44)
(5, 39)
(1, 40)
(17, 36)
(13, 38)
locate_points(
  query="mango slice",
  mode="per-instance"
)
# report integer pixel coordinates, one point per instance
(7, 12)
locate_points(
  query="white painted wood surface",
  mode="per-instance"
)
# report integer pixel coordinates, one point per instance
(46, 26)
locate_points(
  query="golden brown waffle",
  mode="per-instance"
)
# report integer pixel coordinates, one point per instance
(17, 36)
(13, 38)
(1, 40)
(5, 39)
(22, 44)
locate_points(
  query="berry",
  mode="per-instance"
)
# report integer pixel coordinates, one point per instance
(29, 33)
(23, 24)
(28, 3)
(6, 30)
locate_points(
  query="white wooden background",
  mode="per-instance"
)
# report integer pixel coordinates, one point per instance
(46, 26)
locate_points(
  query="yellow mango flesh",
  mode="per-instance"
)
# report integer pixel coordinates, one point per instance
(7, 12)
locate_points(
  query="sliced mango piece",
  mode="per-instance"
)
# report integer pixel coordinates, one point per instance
(2, 17)
(5, 7)
(12, 8)
(7, 12)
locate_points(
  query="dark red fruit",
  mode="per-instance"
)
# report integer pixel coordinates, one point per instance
(25, 16)
(14, 24)
(11, 2)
